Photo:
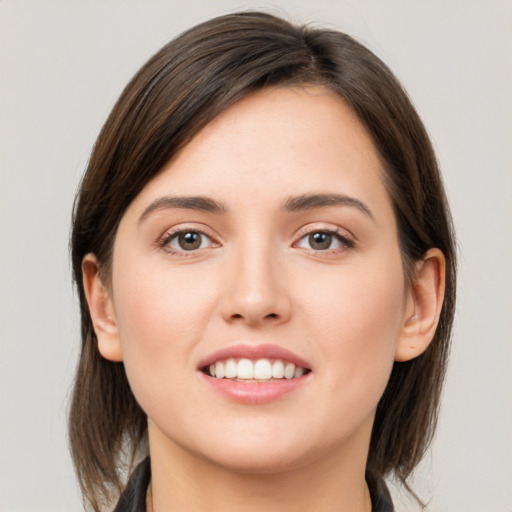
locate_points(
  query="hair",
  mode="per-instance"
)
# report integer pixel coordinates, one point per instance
(173, 96)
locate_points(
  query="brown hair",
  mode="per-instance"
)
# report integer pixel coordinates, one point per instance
(175, 94)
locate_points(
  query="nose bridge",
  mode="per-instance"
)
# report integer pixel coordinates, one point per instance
(254, 291)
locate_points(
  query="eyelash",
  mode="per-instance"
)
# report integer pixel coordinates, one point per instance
(345, 241)
(169, 236)
(165, 241)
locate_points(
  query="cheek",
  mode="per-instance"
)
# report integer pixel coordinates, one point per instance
(359, 318)
(161, 316)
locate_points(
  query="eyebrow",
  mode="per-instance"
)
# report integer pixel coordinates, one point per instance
(313, 201)
(292, 204)
(200, 203)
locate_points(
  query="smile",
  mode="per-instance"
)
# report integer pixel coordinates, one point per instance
(257, 370)
(254, 374)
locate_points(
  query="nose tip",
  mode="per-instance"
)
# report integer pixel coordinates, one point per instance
(255, 297)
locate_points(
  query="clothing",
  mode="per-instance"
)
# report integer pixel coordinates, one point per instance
(133, 498)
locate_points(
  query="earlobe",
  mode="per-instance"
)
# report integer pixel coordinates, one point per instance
(101, 310)
(423, 306)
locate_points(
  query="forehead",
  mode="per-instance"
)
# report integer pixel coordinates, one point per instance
(278, 141)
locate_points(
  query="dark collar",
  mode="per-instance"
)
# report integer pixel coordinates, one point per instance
(133, 498)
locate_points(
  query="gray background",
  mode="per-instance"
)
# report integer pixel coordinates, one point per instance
(62, 65)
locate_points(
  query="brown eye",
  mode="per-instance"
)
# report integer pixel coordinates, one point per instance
(325, 241)
(320, 241)
(189, 241)
(186, 241)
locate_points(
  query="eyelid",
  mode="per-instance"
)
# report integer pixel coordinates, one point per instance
(170, 233)
(343, 235)
(313, 227)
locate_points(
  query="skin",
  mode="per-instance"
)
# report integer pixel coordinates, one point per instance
(257, 279)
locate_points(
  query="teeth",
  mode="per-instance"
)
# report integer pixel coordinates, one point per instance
(289, 370)
(278, 369)
(245, 369)
(299, 372)
(261, 369)
(231, 369)
(219, 369)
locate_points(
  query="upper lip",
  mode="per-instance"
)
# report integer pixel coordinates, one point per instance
(254, 352)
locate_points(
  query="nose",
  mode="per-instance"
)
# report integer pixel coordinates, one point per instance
(255, 292)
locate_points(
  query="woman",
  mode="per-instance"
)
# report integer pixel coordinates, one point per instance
(266, 268)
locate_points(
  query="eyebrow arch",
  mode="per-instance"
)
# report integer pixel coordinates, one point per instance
(312, 201)
(204, 204)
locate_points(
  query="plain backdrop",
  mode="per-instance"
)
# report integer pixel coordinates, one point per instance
(63, 64)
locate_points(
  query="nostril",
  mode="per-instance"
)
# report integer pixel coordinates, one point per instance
(272, 315)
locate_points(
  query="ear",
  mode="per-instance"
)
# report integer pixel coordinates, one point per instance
(101, 310)
(423, 306)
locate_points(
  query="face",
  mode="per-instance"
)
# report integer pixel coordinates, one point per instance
(257, 286)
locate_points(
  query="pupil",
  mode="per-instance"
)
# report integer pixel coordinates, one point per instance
(320, 241)
(189, 241)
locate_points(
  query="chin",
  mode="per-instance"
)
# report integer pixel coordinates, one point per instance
(257, 461)
(259, 454)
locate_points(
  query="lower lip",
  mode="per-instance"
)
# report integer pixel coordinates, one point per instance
(255, 392)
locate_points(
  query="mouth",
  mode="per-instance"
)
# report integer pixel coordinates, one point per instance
(254, 370)
(255, 374)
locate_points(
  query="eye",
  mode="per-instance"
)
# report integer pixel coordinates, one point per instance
(186, 240)
(324, 241)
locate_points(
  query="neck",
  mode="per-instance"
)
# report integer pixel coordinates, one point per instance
(183, 481)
